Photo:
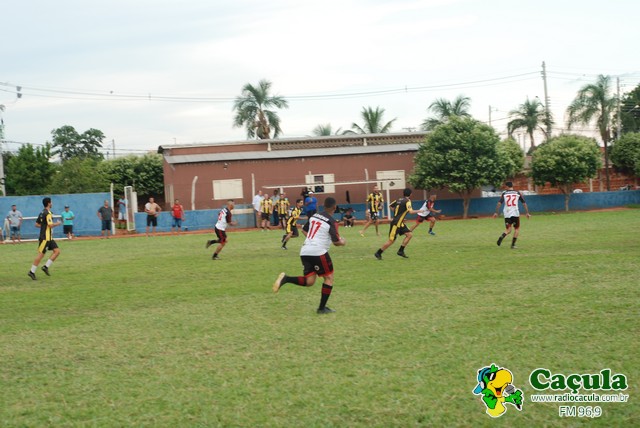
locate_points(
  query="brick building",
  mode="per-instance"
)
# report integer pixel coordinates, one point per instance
(346, 167)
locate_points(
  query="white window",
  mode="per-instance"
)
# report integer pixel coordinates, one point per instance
(318, 183)
(227, 189)
(396, 177)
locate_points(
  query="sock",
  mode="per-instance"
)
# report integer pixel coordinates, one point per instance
(401, 250)
(513, 241)
(430, 229)
(297, 280)
(283, 238)
(214, 241)
(326, 292)
(284, 244)
(33, 268)
(379, 251)
(48, 263)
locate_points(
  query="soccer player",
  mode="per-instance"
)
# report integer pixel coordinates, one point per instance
(45, 242)
(266, 206)
(510, 198)
(374, 204)
(283, 208)
(224, 220)
(401, 208)
(321, 231)
(427, 213)
(292, 227)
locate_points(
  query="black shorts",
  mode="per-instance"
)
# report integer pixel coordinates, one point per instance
(374, 216)
(396, 230)
(264, 216)
(319, 265)
(282, 217)
(67, 229)
(43, 245)
(515, 221)
(420, 218)
(221, 235)
(293, 230)
(152, 220)
(106, 224)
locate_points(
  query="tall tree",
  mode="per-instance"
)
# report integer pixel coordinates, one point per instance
(254, 110)
(373, 122)
(564, 161)
(29, 171)
(595, 102)
(145, 173)
(512, 157)
(530, 116)
(630, 111)
(68, 144)
(462, 155)
(444, 109)
(79, 175)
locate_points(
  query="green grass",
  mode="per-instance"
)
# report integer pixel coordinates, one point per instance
(152, 332)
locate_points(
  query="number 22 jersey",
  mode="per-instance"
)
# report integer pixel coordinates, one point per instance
(510, 200)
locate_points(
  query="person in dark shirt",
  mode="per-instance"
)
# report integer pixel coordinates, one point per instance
(45, 241)
(401, 208)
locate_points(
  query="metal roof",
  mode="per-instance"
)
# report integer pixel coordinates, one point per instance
(287, 154)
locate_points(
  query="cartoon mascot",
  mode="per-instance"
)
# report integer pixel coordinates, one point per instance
(495, 386)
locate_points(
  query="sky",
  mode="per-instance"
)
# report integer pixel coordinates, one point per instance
(151, 73)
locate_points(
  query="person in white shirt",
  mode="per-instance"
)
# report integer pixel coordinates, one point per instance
(510, 199)
(256, 206)
(15, 222)
(321, 231)
(224, 220)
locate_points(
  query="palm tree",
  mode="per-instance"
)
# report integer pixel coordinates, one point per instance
(594, 101)
(325, 130)
(252, 110)
(530, 116)
(372, 122)
(444, 109)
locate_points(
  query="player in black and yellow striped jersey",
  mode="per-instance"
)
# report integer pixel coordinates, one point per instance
(46, 224)
(292, 227)
(266, 208)
(374, 205)
(401, 208)
(282, 206)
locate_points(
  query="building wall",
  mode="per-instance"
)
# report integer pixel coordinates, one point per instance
(282, 172)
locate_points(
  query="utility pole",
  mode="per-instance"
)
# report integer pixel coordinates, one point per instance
(2, 188)
(619, 130)
(489, 115)
(547, 113)
(113, 143)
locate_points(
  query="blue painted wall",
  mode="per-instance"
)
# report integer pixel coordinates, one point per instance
(198, 219)
(84, 206)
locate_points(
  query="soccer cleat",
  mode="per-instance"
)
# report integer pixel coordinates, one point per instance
(499, 241)
(378, 256)
(362, 234)
(32, 275)
(431, 232)
(402, 254)
(283, 247)
(513, 247)
(325, 310)
(208, 244)
(278, 283)
(215, 257)
(45, 270)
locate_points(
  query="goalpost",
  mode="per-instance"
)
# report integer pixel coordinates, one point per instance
(29, 232)
(132, 207)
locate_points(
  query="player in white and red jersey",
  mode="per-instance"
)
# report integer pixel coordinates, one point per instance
(224, 220)
(510, 199)
(427, 212)
(321, 231)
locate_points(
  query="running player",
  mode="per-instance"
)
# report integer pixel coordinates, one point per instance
(321, 231)
(401, 208)
(374, 204)
(292, 228)
(427, 212)
(510, 198)
(45, 242)
(224, 220)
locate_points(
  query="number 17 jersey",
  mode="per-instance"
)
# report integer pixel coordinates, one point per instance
(321, 231)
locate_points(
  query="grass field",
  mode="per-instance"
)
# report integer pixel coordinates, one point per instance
(152, 332)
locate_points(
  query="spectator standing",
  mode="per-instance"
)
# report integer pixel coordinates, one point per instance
(105, 214)
(153, 210)
(257, 199)
(15, 223)
(177, 213)
(122, 210)
(310, 204)
(67, 222)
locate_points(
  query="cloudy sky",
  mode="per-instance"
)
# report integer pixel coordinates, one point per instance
(150, 73)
